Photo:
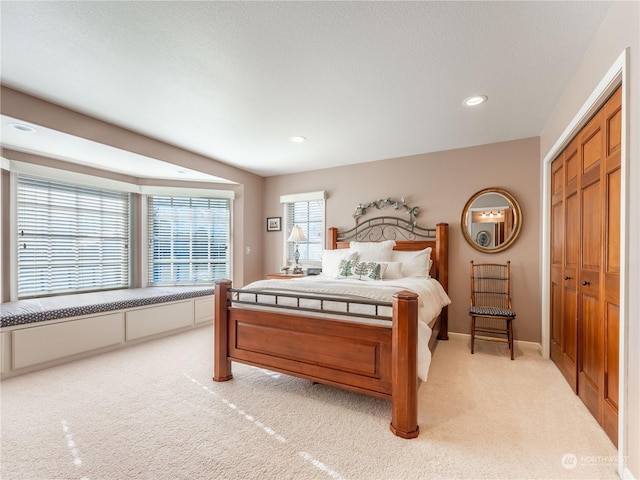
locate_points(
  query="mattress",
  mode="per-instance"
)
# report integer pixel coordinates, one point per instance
(431, 299)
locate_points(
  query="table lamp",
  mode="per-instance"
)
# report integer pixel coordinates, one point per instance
(297, 235)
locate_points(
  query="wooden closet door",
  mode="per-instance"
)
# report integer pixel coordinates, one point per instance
(557, 260)
(565, 254)
(572, 241)
(612, 178)
(590, 321)
(599, 288)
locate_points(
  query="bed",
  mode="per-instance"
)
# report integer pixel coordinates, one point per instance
(365, 345)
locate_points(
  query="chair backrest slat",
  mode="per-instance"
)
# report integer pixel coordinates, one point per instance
(491, 284)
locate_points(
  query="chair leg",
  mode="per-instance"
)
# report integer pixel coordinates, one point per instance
(510, 332)
(473, 332)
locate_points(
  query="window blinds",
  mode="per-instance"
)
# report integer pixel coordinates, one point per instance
(70, 238)
(188, 239)
(308, 215)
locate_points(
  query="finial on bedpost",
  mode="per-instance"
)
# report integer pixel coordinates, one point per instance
(404, 369)
(221, 362)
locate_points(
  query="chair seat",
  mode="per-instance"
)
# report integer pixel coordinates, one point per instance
(491, 311)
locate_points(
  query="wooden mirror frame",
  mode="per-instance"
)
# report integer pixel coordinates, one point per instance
(517, 221)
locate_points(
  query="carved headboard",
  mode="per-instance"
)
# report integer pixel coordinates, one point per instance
(408, 237)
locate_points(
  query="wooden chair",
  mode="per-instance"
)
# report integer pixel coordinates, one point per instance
(491, 300)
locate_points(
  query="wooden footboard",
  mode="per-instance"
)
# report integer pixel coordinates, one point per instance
(374, 360)
(369, 359)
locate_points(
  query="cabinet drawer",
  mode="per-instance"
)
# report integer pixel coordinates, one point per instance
(50, 342)
(149, 321)
(203, 310)
(5, 352)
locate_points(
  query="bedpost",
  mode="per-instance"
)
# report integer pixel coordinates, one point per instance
(332, 240)
(404, 369)
(442, 255)
(221, 362)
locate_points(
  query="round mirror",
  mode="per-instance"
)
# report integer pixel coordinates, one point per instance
(491, 220)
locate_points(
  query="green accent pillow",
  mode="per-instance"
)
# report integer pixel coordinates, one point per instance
(361, 270)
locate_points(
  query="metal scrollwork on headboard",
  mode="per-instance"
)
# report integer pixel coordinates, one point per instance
(361, 209)
(387, 228)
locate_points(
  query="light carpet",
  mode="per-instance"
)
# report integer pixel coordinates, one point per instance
(151, 411)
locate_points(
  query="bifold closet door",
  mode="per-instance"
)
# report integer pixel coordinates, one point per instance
(590, 321)
(565, 253)
(612, 183)
(557, 258)
(585, 263)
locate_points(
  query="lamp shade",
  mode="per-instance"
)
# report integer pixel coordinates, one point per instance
(297, 235)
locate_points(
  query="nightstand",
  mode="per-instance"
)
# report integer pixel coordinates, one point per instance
(282, 276)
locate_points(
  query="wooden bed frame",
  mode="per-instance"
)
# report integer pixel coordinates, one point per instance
(370, 359)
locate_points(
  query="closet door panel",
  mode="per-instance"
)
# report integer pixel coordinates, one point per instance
(556, 323)
(572, 165)
(569, 291)
(611, 377)
(592, 146)
(612, 321)
(591, 257)
(613, 223)
(570, 338)
(572, 232)
(613, 112)
(590, 365)
(557, 260)
(612, 237)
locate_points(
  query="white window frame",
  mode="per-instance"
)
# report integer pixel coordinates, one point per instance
(148, 230)
(288, 224)
(79, 285)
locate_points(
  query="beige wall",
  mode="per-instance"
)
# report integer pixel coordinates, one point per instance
(619, 31)
(247, 218)
(440, 184)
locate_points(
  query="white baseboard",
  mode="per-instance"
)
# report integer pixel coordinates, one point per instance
(626, 474)
(520, 343)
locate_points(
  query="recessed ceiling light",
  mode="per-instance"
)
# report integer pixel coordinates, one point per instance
(476, 100)
(22, 127)
(297, 139)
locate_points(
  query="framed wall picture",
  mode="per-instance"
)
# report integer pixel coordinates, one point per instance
(274, 224)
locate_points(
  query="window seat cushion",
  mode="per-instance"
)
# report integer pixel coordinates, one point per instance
(51, 308)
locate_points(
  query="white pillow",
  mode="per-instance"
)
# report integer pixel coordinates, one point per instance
(361, 270)
(373, 251)
(331, 260)
(392, 271)
(414, 264)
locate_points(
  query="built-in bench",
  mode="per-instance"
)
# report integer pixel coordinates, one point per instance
(38, 333)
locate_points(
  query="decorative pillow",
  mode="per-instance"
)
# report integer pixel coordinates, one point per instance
(393, 270)
(331, 260)
(361, 270)
(373, 251)
(414, 264)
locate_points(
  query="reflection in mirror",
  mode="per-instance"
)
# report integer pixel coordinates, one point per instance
(491, 220)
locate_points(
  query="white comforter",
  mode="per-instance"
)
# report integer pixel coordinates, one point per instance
(431, 299)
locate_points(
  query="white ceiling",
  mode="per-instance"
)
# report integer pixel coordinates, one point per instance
(362, 81)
